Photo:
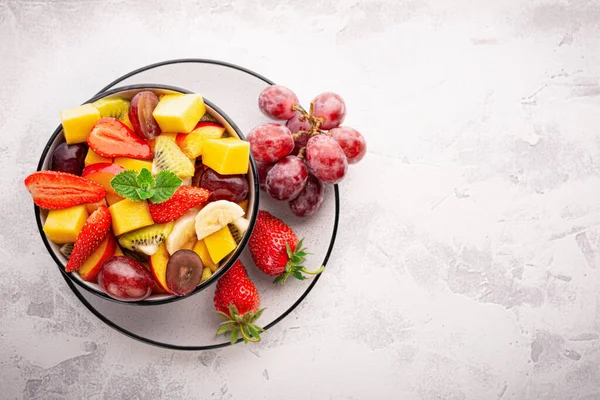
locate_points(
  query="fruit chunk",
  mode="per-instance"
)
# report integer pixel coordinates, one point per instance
(206, 274)
(91, 267)
(54, 190)
(140, 115)
(192, 143)
(94, 158)
(103, 173)
(125, 279)
(184, 271)
(238, 228)
(91, 207)
(183, 232)
(128, 215)
(215, 216)
(78, 122)
(112, 138)
(93, 233)
(134, 164)
(179, 112)
(169, 135)
(227, 156)
(158, 266)
(63, 226)
(224, 187)
(68, 158)
(202, 251)
(115, 107)
(146, 240)
(168, 156)
(219, 244)
(184, 198)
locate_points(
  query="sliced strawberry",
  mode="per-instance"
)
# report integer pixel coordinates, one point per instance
(112, 138)
(55, 190)
(183, 199)
(92, 234)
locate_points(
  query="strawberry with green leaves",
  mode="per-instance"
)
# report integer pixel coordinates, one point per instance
(237, 301)
(276, 250)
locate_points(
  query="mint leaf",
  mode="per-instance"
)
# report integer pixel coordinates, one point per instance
(145, 179)
(166, 183)
(145, 194)
(125, 184)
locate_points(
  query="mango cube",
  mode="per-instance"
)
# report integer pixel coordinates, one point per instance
(227, 156)
(202, 251)
(63, 226)
(179, 112)
(78, 122)
(219, 244)
(128, 215)
(132, 163)
(206, 274)
(94, 158)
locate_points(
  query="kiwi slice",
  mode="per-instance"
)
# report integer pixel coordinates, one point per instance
(115, 108)
(208, 118)
(238, 227)
(66, 249)
(168, 156)
(146, 240)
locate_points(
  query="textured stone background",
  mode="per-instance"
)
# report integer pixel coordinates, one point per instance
(468, 258)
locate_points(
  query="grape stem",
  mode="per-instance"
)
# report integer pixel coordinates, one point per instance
(315, 123)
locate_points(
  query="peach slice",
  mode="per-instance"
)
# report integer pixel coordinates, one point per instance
(102, 173)
(158, 266)
(91, 267)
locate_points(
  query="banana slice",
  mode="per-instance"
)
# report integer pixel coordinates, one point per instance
(183, 232)
(215, 216)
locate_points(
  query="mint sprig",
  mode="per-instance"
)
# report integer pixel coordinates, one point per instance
(143, 186)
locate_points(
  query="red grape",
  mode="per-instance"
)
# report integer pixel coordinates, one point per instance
(326, 159)
(125, 279)
(224, 187)
(263, 169)
(287, 178)
(310, 198)
(295, 125)
(331, 108)
(276, 102)
(140, 114)
(270, 142)
(184, 271)
(300, 142)
(351, 141)
(69, 158)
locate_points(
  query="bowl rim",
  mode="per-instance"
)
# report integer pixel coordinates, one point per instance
(217, 275)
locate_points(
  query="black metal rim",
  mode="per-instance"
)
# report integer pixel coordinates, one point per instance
(171, 346)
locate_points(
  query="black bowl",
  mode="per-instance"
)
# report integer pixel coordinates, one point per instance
(128, 92)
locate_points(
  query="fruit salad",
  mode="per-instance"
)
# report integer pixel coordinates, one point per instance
(147, 195)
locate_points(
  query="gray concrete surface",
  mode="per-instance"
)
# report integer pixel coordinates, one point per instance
(468, 258)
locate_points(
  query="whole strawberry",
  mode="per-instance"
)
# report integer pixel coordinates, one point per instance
(237, 301)
(276, 250)
(94, 231)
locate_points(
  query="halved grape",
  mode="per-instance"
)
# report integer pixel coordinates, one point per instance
(125, 279)
(224, 187)
(287, 178)
(184, 271)
(69, 158)
(140, 114)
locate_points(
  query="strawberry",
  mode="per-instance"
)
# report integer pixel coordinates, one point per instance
(184, 198)
(271, 247)
(112, 138)
(94, 231)
(237, 301)
(55, 190)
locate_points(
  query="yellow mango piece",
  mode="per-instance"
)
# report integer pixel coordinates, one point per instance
(227, 156)
(94, 158)
(202, 251)
(244, 205)
(132, 163)
(78, 122)
(206, 274)
(219, 244)
(128, 215)
(63, 226)
(179, 112)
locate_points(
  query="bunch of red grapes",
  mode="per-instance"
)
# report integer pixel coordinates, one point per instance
(295, 160)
